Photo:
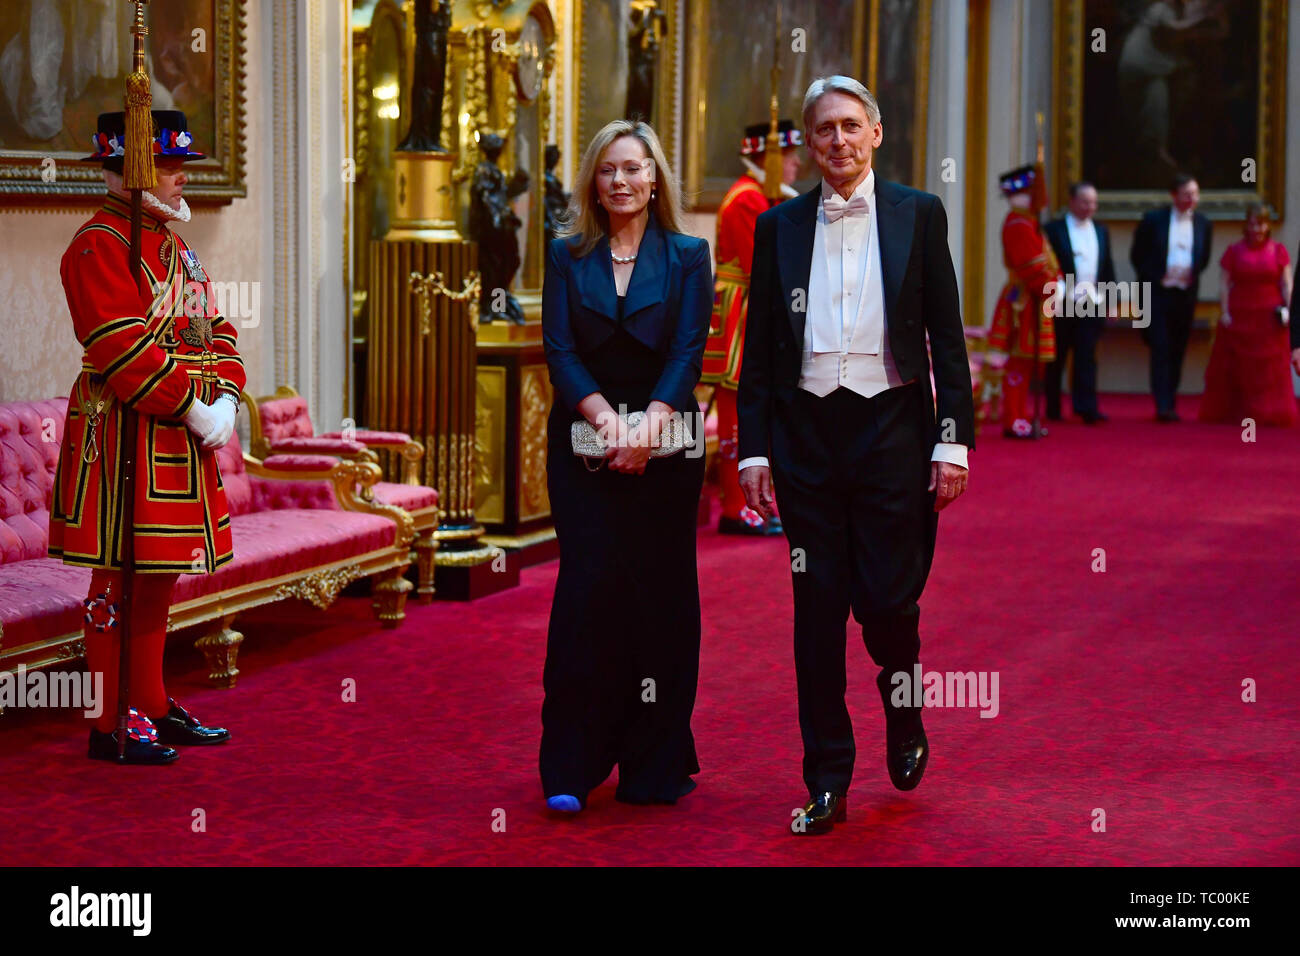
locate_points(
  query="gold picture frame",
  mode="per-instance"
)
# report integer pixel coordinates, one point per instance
(1130, 188)
(30, 175)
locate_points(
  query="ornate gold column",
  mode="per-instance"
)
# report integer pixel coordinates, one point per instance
(424, 318)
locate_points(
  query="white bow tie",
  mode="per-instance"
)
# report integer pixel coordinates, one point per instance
(836, 207)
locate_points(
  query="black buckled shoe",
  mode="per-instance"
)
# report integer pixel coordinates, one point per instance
(820, 815)
(178, 727)
(907, 751)
(145, 752)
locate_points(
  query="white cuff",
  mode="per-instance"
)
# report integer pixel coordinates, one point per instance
(752, 462)
(950, 452)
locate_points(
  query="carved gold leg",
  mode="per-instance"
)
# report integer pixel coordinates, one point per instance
(221, 648)
(426, 546)
(389, 594)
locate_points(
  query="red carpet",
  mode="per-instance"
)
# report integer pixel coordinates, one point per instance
(1118, 690)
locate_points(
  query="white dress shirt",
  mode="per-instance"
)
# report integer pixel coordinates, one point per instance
(846, 344)
(1085, 248)
(1178, 265)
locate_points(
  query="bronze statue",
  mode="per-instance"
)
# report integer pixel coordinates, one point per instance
(557, 200)
(644, 35)
(428, 87)
(493, 225)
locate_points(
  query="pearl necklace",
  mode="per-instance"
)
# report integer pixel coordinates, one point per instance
(622, 260)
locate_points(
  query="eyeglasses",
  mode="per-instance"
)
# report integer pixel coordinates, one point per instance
(630, 170)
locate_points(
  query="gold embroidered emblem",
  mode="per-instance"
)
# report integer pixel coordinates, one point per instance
(199, 333)
(165, 252)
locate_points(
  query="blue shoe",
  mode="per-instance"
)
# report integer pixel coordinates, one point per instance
(564, 803)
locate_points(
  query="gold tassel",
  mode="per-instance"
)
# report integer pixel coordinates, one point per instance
(138, 169)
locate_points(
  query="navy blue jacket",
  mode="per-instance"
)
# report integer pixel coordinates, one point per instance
(668, 305)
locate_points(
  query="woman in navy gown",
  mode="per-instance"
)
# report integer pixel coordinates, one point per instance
(625, 316)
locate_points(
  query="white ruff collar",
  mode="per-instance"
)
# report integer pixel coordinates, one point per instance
(160, 210)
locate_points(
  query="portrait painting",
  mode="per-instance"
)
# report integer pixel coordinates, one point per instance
(63, 62)
(622, 69)
(898, 76)
(1162, 87)
(730, 62)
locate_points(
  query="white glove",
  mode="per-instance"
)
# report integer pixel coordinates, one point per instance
(200, 419)
(1286, 315)
(224, 427)
(1225, 319)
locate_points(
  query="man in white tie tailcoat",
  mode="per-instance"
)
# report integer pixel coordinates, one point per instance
(836, 412)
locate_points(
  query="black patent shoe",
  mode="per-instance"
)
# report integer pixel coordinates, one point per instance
(907, 751)
(144, 752)
(820, 815)
(179, 728)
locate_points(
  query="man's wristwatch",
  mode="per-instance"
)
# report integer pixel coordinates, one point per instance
(230, 398)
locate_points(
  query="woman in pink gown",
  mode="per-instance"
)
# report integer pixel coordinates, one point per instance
(1249, 375)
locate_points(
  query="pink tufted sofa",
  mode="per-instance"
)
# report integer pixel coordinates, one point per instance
(302, 528)
(281, 423)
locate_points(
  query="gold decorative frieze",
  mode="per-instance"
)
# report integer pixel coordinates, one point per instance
(321, 589)
(534, 407)
(490, 443)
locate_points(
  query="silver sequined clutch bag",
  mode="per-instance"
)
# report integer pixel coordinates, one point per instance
(673, 437)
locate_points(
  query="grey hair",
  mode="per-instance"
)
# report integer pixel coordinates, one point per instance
(839, 84)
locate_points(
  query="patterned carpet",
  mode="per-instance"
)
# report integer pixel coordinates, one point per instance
(1118, 690)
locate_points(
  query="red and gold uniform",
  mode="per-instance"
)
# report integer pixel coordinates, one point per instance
(735, 252)
(157, 353)
(1021, 307)
(739, 211)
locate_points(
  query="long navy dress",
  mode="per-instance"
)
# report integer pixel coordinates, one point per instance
(622, 654)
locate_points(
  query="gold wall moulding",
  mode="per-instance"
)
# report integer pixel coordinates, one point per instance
(535, 398)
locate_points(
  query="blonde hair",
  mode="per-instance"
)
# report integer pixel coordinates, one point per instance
(586, 220)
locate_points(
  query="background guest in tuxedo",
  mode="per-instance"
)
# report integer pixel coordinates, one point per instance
(837, 414)
(625, 315)
(1249, 375)
(1171, 248)
(1082, 247)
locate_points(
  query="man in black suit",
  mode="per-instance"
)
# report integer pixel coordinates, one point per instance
(1082, 247)
(836, 413)
(1171, 248)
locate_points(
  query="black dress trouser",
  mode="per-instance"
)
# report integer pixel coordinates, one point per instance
(1172, 311)
(1080, 336)
(851, 474)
